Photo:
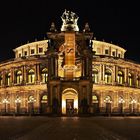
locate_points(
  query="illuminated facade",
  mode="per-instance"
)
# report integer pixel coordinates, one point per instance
(69, 72)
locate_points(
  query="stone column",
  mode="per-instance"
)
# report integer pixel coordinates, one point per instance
(36, 49)
(12, 76)
(38, 72)
(25, 74)
(103, 72)
(126, 76)
(28, 50)
(3, 75)
(36, 75)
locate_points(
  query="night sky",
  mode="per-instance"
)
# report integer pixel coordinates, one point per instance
(112, 21)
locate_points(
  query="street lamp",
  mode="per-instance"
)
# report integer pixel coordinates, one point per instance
(121, 101)
(108, 102)
(31, 103)
(133, 102)
(18, 101)
(5, 102)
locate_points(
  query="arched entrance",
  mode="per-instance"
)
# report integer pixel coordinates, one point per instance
(69, 101)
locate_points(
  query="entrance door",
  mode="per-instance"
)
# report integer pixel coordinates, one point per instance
(69, 106)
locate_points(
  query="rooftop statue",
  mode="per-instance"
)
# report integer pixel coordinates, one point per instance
(69, 21)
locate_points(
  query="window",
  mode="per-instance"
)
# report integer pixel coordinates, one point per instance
(8, 79)
(19, 55)
(32, 51)
(40, 50)
(18, 77)
(106, 51)
(0, 80)
(44, 75)
(31, 76)
(137, 81)
(120, 77)
(108, 76)
(119, 55)
(44, 99)
(95, 76)
(94, 99)
(113, 53)
(130, 78)
(25, 53)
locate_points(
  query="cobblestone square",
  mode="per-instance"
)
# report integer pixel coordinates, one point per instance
(69, 128)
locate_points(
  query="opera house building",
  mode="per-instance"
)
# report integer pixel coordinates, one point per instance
(69, 72)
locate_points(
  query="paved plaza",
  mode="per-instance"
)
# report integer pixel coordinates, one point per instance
(69, 128)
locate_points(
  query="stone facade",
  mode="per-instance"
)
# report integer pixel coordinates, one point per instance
(69, 73)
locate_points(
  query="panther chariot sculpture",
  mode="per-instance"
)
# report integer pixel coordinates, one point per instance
(69, 19)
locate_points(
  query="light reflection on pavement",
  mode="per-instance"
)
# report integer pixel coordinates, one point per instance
(69, 128)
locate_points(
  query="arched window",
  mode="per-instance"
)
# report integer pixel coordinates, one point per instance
(137, 81)
(0, 80)
(130, 78)
(120, 77)
(108, 76)
(95, 76)
(31, 76)
(18, 77)
(94, 99)
(44, 75)
(8, 79)
(44, 99)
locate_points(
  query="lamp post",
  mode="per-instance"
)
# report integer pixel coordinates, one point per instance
(5, 102)
(121, 101)
(18, 101)
(108, 105)
(31, 103)
(133, 102)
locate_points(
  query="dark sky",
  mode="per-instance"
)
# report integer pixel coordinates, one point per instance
(112, 21)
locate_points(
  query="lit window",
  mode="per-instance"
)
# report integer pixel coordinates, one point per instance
(44, 99)
(95, 76)
(130, 78)
(44, 75)
(108, 76)
(94, 99)
(18, 77)
(120, 77)
(8, 79)
(137, 81)
(31, 76)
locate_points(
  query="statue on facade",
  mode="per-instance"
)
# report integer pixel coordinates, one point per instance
(69, 21)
